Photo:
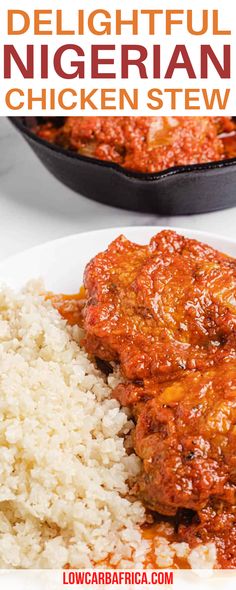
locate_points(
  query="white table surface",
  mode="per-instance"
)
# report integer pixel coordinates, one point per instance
(35, 207)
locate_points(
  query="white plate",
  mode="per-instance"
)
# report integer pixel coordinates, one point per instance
(61, 263)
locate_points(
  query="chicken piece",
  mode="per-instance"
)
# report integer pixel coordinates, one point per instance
(185, 435)
(162, 308)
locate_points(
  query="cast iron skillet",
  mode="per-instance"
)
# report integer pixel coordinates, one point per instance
(177, 191)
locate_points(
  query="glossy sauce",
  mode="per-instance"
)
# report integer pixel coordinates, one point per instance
(152, 533)
(69, 306)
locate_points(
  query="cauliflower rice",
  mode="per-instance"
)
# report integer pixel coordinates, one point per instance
(63, 466)
(64, 470)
